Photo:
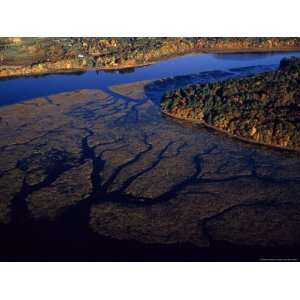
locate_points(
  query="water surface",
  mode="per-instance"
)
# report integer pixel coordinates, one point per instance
(17, 89)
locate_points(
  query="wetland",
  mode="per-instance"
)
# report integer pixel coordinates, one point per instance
(91, 170)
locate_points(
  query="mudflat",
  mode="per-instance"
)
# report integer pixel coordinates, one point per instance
(109, 160)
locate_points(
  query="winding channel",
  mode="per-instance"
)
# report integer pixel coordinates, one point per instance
(100, 174)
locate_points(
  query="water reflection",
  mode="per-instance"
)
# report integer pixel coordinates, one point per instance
(254, 56)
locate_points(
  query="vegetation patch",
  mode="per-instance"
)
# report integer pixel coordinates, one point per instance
(27, 56)
(264, 108)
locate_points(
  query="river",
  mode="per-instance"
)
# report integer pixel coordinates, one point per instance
(18, 89)
(90, 170)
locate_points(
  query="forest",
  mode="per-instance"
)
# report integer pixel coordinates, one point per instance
(264, 108)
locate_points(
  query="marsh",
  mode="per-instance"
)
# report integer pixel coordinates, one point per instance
(90, 169)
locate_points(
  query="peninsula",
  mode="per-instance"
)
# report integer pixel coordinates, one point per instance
(264, 108)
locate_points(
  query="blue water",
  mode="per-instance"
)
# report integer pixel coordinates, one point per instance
(18, 89)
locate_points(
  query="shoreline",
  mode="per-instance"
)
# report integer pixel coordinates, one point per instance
(18, 73)
(243, 139)
(73, 70)
(251, 50)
